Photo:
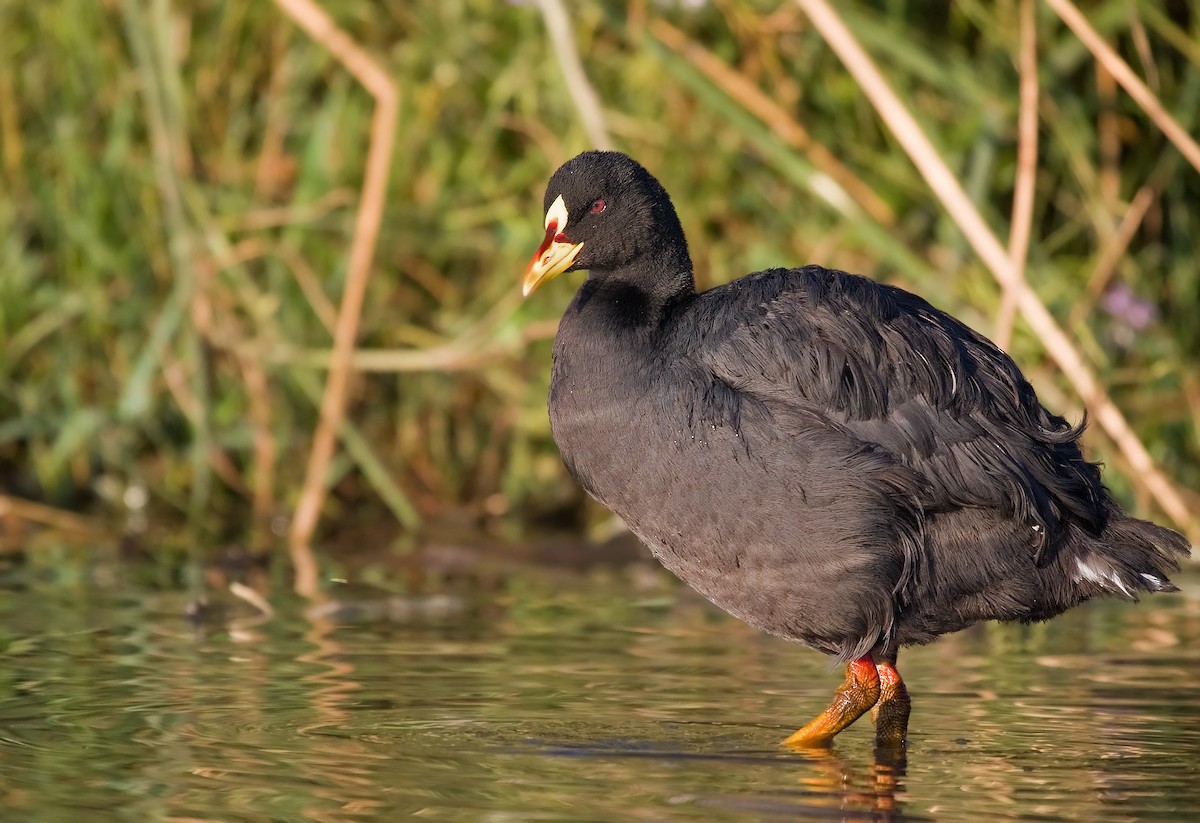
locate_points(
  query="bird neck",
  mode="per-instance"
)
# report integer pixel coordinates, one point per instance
(661, 276)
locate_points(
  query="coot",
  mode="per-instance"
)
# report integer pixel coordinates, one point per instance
(832, 460)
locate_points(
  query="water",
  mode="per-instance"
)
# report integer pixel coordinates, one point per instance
(552, 696)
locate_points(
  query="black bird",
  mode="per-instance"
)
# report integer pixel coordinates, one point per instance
(829, 459)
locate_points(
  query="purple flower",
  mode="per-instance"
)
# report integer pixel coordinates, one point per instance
(1124, 305)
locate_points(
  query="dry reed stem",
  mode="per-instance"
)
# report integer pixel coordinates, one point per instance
(10, 136)
(32, 512)
(1191, 391)
(452, 357)
(253, 597)
(1111, 254)
(748, 94)
(272, 157)
(539, 133)
(1141, 44)
(1021, 223)
(960, 208)
(313, 19)
(176, 377)
(586, 101)
(1108, 141)
(265, 450)
(1124, 75)
(292, 214)
(307, 280)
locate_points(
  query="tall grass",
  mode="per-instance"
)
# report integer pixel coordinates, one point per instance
(180, 183)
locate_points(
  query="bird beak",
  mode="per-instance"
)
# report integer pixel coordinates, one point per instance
(555, 255)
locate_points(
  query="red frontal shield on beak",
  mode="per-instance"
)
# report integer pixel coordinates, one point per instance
(556, 253)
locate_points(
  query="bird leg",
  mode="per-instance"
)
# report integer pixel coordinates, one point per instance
(891, 711)
(853, 698)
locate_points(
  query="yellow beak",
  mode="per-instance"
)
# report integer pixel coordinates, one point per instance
(555, 255)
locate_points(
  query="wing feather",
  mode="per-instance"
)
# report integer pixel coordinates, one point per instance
(893, 371)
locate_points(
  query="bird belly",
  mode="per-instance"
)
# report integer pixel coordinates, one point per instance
(762, 544)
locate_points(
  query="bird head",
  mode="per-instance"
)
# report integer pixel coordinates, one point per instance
(604, 212)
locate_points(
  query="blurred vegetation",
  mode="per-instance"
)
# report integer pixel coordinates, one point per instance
(165, 317)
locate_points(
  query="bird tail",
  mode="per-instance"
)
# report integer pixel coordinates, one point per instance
(1127, 557)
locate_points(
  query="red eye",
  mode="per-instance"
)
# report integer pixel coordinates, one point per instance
(599, 206)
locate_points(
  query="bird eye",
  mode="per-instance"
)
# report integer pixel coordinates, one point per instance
(599, 206)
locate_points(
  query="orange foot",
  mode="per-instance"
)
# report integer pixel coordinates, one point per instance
(868, 686)
(891, 712)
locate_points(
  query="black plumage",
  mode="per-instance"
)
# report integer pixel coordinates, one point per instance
(831, 460)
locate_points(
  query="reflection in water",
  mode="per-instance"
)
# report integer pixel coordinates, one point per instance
(812, 782)
(570, 701)
(871, 792)
(330, 691)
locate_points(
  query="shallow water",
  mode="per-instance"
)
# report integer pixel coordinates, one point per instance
(556, 696)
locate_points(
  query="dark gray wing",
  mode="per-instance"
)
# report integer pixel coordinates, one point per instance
(888, 368)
